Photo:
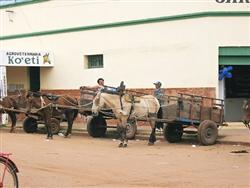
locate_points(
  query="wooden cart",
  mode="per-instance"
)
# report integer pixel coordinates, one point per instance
(205, 114)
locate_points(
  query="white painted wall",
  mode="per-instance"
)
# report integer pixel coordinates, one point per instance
(56, 14)
(181, 53)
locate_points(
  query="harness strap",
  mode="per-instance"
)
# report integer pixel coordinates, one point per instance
(121, 102)
(132, 106)
(42, 102)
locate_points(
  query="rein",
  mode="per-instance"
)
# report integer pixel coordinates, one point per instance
(42, 101)
(121, 102)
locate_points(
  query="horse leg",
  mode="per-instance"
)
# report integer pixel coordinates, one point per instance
(123, 127)
(124, 140)
(70, 118)
(152, 137)
(125, 143)
(13, 121)
(120, 131)
(47, 118)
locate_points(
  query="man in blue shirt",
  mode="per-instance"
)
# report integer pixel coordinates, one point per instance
(159, 93)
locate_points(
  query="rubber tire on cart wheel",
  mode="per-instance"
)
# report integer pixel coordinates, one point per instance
(96, 126)
(207, 132)
(30, 125)
(173, 132)
(55, 125)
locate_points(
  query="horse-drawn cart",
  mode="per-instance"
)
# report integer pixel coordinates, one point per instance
(41, 108)
(32, 119)
(203, 113)
(180, 112)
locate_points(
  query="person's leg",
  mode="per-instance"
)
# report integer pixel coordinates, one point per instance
(159, 116)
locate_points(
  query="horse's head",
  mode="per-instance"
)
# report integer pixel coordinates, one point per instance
(33, 100)
(246, 113)
(15, 101)
(21, 99)
(96, 104)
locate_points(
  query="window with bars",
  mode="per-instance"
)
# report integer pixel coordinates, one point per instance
(15, 87)
(94, 61)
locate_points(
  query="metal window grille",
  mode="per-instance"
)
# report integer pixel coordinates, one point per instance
(15, 87)
(95, 61)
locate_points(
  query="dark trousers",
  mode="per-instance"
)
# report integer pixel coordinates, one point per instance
(159, 125)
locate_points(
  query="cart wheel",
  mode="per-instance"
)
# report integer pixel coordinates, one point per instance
(207, 132)
(30, 125)
(96, 126)
(173, 132)
(55, 125)
(131, 129)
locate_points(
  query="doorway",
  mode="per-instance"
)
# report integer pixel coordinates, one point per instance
(34, 75)
(236, 89)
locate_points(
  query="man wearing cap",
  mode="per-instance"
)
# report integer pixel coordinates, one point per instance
(159, 93)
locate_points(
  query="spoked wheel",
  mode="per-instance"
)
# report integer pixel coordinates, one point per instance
(8, 176)
(173, 132)
(96, 126)
(55, 125)
(30, 125)
(207, 132)
(131, 129)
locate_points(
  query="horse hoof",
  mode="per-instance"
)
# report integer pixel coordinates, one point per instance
(150, 143)
(125, 145)
(120, 145)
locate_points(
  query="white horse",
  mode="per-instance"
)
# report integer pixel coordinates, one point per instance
(127, 107)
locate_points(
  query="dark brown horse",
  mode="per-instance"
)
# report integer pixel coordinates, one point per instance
(246, 113)
(46, 105)
(16, 102)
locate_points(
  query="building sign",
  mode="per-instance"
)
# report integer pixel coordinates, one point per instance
(28, 59)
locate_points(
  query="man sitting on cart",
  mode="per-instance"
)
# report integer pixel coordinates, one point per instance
(104, 88)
